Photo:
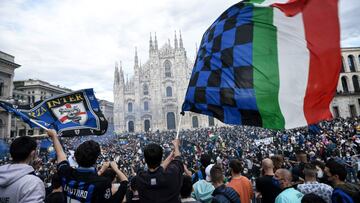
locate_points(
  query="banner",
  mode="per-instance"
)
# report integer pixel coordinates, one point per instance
(71, 114)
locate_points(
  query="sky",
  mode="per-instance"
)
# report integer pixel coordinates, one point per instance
(75, 43)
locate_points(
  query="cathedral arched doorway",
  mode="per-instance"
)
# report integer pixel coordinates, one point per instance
(147, 125)
(195, 122)
(131, 127)
(170, 120)
(355, 80)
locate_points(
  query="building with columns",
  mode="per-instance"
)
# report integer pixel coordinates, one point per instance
(107, 108)
(7, 68)
(347, 99)
(28, 92)
(152, 98)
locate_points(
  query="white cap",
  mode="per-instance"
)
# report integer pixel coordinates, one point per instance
(207, 172)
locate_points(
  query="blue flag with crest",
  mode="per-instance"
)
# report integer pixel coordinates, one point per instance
(71, 114)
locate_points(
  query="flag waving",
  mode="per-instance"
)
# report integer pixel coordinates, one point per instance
(268, 63)
(71, 114)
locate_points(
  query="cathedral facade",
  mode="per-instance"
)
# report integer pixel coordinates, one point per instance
(152, 98)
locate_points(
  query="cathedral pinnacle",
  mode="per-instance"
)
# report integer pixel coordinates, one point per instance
(181, 41)
(151, 47)
(156, 43)
(175, 41)
(136, 58)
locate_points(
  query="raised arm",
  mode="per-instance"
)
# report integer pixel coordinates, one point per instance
(118, 172)
(61, 156)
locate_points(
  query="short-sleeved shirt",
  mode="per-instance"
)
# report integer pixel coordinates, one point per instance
(161, 186)
(322, 190)
(243, 187)
(83, 185)
(268, 190)
(289, 195)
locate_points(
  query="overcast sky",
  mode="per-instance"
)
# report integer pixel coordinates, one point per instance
(75, 43)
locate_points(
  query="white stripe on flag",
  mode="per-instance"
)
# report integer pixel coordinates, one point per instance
(294, 60)
(267, 3)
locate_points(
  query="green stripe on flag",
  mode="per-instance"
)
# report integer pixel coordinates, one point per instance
(266, 70)
(255, 1)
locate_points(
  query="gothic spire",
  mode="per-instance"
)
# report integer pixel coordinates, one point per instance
(181, 41)
(175, 41)
(136, 58)
(156, 43)
(151, 47)
(116, 74)
(121, 73)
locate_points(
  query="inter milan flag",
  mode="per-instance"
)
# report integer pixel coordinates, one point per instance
(71, 114)
(268, 63)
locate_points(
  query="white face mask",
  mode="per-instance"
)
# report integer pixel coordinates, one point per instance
(320, 173)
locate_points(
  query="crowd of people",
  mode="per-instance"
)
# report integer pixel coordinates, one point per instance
(217, 164)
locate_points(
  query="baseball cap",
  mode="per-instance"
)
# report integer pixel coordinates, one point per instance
(207, 172)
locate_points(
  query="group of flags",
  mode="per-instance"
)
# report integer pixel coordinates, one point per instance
(268, 63)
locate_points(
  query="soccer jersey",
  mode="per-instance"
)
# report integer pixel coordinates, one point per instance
(83, 184)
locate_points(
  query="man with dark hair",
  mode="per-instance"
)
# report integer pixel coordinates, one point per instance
(18, 182)
(312, 186)
(186, 190)
(87, 153)
(297, 170)
(343, 191)
(222, 194)
(239, 183)
(82, 184)
(57, 195)
(205, 160)
(161, 183)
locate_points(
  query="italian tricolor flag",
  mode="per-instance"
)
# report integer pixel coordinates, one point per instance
(296, 46)
(268, 63)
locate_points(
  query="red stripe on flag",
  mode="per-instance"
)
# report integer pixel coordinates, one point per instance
(62, 119)
(322, 31)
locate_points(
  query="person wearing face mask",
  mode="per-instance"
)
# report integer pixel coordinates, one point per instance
(266, 188)
(288, 194)
(18, 182)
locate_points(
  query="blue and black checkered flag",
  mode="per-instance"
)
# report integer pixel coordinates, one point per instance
(263, 63)
(221, 84)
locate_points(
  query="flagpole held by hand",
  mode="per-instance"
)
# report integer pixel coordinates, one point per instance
(38, 124)
(178, 130)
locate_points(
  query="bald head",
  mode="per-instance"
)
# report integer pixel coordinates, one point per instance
(267, 164)
(284, 176)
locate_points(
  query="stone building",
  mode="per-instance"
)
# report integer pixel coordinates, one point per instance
(152, 98)
(347, 99)
(7, 68)
(28, 92)
(107, 108)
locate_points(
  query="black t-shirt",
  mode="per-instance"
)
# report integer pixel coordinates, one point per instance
(161, 186)
(84, 185)
(56, 197)
(120, 193)
(268, 190)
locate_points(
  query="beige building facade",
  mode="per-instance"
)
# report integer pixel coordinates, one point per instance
(347, 99)
(7, 68)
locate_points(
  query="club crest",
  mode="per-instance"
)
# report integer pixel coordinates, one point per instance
(71, 112)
